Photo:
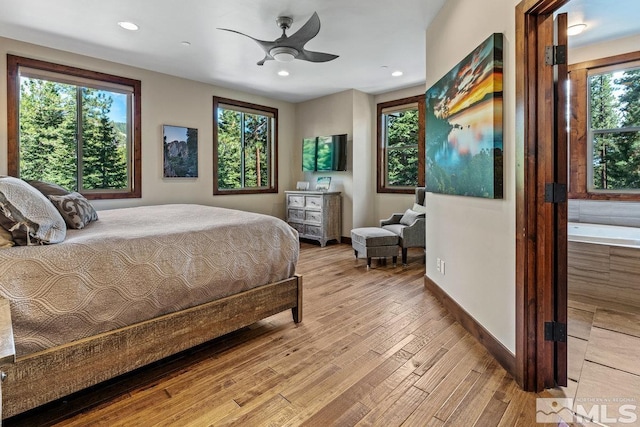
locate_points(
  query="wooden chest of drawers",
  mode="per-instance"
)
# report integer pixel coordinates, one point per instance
(315, 214)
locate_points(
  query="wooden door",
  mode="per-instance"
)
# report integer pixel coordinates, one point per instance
(552, 201)
(541, 207)
(561, 77)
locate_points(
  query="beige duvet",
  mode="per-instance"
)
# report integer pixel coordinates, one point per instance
(135, 264)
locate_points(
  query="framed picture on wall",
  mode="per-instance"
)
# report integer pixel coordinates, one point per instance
(464, 126)
(180, 145)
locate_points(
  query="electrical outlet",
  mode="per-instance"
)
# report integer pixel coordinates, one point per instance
(442, 267)
(438, 261)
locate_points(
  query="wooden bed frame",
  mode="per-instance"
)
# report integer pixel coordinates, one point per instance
(42, 377)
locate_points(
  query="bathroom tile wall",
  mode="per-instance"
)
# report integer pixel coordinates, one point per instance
(605, 212)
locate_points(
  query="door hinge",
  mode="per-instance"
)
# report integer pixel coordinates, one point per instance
(554, 331)
(555, 192)
(555, 55)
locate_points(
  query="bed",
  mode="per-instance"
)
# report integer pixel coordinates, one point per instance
(136, 286)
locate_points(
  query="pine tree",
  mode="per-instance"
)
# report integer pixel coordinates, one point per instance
(229, 149)
(103, 157)
(604, 115)
(626, 171)
(255, 155)
(615, 104)
(402, 164)
(47, 132)
(192, 152)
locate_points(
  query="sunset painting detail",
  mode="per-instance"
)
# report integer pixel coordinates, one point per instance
(464, 126)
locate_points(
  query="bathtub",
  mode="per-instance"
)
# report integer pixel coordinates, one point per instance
(603, 265)
(603, 234)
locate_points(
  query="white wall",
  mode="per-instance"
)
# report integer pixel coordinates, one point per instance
(328, 115)
(476, 237)
(364, 160)
(604, 49)
(175, 101)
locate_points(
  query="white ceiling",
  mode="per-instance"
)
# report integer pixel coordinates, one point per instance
(367, 35)
(605, 19)
(372, 37)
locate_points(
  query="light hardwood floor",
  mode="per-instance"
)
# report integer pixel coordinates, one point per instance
(374, 348)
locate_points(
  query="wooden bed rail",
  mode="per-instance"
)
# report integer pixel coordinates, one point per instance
(7, 346)
(86, 362)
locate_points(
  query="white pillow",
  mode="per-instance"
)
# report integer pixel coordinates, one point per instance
(419, 208)
(28, 215)
(410, 216)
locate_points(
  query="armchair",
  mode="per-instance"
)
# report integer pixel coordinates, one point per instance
(409, 226)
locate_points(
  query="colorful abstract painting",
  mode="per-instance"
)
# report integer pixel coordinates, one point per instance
(464, 126)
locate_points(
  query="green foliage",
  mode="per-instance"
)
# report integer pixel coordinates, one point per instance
(243, 150)
(47, 132)
(402, 167)
(192, 150)
(48, 127)
(402, 148)
(630, 98)
(229, 150)
(604, 105)
(309, 154)
(615, 104)
(325, 154)
(104, 163)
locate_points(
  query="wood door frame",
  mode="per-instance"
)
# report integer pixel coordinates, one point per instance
(534, 252)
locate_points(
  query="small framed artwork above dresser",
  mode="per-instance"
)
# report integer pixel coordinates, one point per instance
(316, 215)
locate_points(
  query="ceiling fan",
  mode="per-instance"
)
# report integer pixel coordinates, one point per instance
(287, 48)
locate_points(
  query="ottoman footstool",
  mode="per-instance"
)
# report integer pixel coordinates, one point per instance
(374, 242)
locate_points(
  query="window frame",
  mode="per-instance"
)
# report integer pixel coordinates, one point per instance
(14, 63)
(382, 186)
(273, 150)
(580, 154)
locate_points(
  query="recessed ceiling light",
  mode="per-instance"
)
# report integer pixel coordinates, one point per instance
(576, 29)
(185, 43)
(397, 73)
(283, 73)
(128, 25)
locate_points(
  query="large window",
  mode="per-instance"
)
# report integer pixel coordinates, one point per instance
(401, 145)
(605, 144)
(245, 147)
(73, 127)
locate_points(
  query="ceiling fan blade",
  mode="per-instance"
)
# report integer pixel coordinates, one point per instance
(266, 58)
(265, 45)
(307, 55)
(308, 31)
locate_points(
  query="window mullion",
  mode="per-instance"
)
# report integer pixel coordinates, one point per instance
(79, 139)
(385, 148)
(242, 150)
(616, 130)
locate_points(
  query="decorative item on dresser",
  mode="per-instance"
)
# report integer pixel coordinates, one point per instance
(317, 215)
